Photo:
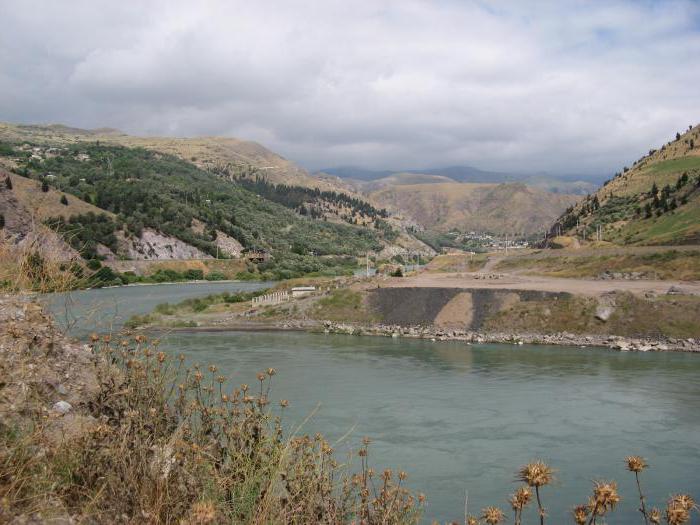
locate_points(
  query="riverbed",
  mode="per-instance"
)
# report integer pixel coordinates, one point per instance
(459, 418)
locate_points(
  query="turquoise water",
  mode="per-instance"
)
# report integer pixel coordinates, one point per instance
(463, 418)
(106, 309)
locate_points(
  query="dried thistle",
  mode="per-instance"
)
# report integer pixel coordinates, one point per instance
(655, 516)
(636, 463)
(580, 513)
(684, 501)
(676, 515)
(605, 497)
(492, 515)
(520, 498)
(471, 520)
(536, 474)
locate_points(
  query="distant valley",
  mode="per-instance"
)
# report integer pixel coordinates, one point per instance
(467, 199)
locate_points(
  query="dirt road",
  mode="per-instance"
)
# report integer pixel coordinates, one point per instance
(548, 284)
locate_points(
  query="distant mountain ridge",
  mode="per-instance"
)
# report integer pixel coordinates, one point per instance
(568, 183)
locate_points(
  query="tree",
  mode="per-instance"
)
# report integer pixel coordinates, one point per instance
(654, 189)
(44, 186)
(8, 183)
(647, 210)
(678, 136)
(2, 221)
(64, 200)
(691, 144)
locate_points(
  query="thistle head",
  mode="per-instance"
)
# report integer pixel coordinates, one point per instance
(635, 463)
(684, 501)
(676, 515)
(605, 496)
(492, 515)
(655, 516)
(471, 520)
(520, 498)
(536, 474)
(580, 513)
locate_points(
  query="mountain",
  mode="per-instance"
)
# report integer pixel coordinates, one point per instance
(497, 208)
(207, 153)
(655, 201)
(137, 203)
(361, 179)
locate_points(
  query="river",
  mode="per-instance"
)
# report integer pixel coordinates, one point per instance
(457, 417)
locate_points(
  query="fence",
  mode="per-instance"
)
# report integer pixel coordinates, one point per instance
(271, 298)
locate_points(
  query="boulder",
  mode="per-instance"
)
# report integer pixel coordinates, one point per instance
(603, 313)
(62, 407)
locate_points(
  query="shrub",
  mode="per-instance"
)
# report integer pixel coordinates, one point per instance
(194, 275)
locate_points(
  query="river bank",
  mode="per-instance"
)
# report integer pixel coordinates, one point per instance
(470, 337)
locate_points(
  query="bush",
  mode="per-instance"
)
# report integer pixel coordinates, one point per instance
(194, 275)
(215, 276)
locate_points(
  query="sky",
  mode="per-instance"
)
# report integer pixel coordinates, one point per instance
(561, 86)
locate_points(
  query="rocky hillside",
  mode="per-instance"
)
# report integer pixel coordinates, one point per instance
(205, 152)
(654, 201)
(498, 208)
(252, 174)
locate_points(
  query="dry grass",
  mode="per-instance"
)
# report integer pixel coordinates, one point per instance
(662, 264)
(45, 205)
(457, 263)
(633, 316)
(33, 266)
(175, 445)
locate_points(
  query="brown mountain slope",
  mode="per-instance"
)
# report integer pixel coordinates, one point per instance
(205, 152)
(498, 208)
(656, 201)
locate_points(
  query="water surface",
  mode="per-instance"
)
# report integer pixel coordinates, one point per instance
(462, 418)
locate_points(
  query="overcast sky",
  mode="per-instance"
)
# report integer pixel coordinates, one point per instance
(575, 87)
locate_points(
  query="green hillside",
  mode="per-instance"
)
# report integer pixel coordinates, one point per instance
(147, 189)
(656, 201)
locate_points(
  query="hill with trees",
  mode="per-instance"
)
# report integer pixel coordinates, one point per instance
(140, 190)
(654, 201)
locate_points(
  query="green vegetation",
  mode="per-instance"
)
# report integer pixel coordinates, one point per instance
(343, 305)
(189, 306)
(149, 189)
(311, 201)
(673, 166)
(667, 264)
(85, 232)
(437, 241)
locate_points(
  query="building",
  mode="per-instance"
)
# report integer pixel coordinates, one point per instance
(301, 291)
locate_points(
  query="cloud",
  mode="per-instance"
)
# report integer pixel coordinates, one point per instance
(572, 86)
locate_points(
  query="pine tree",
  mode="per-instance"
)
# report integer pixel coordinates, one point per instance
(44, 186)
(2, 221)
(64, 200)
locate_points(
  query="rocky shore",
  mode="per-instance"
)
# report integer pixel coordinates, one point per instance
(436, 334)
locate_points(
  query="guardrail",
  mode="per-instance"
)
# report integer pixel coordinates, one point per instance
(271, 298)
